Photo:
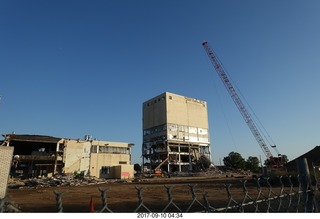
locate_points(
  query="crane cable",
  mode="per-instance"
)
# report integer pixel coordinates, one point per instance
(222, 107)
(264, 131)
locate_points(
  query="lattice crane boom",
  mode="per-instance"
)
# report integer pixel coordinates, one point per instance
(245, 114)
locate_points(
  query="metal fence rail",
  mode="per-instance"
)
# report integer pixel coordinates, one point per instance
(288, 199)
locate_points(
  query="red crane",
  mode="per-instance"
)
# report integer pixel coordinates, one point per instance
(271, 160)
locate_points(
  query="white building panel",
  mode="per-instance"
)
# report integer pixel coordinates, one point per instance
(193, 130)
(6, 154)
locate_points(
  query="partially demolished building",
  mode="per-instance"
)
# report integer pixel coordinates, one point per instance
(38, 155)
(175, 133)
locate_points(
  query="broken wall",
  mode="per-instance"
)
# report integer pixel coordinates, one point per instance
(76, 156)
(6, 154)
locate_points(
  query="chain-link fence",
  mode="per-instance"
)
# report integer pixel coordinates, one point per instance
(276, 194)
(281, 194)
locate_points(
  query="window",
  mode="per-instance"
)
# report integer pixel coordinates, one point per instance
(122, 162)
(172, 127)
(105, 170)
(61, 147)
(170, 97)
(94, 149)
(113, 150)
(181, 128)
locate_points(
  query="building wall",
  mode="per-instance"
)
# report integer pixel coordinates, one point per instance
(154, 112)
(105, 155)
(5, 165)
(175, 127)
(186, 111)
(176, 117)
(98, 161)
(59, 155)
(123, 172)
(76, 156)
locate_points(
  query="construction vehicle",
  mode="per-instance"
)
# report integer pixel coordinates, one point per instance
(158, 171)
(271, 160)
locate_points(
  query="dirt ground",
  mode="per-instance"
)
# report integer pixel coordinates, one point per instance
(122, 196)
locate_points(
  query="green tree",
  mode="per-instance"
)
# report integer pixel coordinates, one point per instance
(234, 160)
(203, 162)
(252, 164)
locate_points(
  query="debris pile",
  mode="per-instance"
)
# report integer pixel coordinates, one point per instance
(76, 180)
(58, 180)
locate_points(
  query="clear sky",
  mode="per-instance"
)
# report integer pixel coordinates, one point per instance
(72, 68)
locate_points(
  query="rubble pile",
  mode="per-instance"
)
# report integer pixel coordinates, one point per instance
(211, 172)
(214, 173)
(57, 181)
(76, 180)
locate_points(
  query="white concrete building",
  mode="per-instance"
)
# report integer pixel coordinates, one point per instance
(175, 132)
(38, 155)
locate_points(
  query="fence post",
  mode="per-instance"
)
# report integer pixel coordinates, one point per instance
(314, 188)
(103, 192)
(2, 203)
(140, 198)
(304, 178)
(58, 200)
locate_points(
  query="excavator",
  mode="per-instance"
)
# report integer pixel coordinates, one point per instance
(158, 171)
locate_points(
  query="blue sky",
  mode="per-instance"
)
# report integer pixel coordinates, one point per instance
(72, 68)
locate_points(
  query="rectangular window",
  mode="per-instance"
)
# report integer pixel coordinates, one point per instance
(181, 128)
(113, 150)
(105, 170)
(94, 149)
(122, 162)
(172, 127)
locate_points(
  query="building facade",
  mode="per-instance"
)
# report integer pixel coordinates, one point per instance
(111, 160)
(36, 155)
(175, 133)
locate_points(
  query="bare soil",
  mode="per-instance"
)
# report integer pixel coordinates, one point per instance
(122, 196)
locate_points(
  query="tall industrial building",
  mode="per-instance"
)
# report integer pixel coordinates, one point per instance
(175, 133)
